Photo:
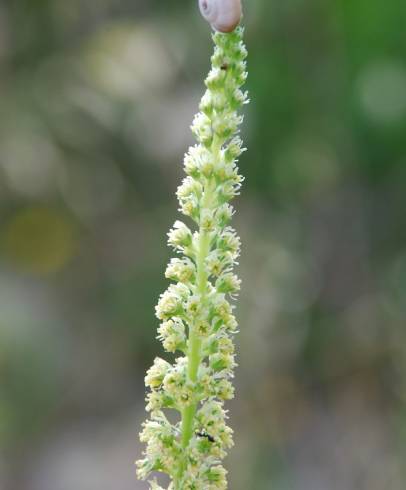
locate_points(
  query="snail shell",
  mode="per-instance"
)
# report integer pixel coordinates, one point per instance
(223, 15)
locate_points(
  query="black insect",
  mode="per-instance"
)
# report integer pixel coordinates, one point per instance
(206, 435)
(224, 66)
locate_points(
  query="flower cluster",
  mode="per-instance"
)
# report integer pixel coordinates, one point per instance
(195, 311)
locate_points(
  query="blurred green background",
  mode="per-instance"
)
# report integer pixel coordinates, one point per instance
(96, 100)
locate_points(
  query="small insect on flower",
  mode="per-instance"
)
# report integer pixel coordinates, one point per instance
(206, 435)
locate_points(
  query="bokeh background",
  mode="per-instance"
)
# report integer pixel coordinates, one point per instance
(96, 100)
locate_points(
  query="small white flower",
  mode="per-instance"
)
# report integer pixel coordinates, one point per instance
(156, 373)
(180, 235)
(182, 270)
(228, 283)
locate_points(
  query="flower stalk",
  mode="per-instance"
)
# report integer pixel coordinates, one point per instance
(196, 310)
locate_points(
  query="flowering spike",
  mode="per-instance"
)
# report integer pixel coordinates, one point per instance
(196, 312)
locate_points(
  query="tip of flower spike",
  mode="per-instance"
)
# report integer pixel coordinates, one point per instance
(226, 38)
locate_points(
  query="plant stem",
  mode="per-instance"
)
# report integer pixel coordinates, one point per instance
(194, 354)
(194, 346)
(196, 312)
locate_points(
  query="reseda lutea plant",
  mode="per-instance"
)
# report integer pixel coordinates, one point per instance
(196, 313)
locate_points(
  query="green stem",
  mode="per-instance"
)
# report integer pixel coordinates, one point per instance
(195, 343)
(194, 349)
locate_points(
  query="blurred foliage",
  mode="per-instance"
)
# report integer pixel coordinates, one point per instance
(96, 101)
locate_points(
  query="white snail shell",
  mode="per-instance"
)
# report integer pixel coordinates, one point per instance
(223, 15)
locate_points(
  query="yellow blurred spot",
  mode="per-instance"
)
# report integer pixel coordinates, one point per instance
(128, 60)
(39, 240)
